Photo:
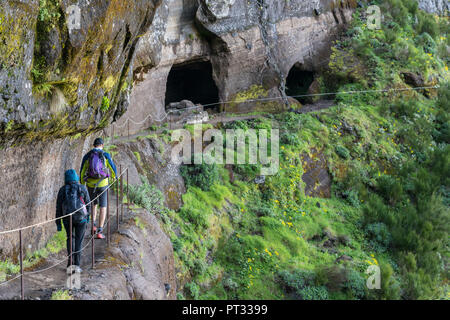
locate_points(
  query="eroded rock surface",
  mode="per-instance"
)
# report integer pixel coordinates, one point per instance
(151, 158)
(251, 45)
(30, 177)
(88, 67)
(138, 265)
(441, 7)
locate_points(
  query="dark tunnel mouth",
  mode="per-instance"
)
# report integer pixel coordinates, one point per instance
(193, 81)
(298, 82)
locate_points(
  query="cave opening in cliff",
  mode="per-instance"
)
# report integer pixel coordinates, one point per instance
(193, 81)
(298, 82)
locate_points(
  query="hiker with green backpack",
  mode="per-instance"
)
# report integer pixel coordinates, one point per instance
(73, 199)
(96, 169)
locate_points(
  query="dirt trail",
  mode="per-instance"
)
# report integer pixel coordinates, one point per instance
(224, 118)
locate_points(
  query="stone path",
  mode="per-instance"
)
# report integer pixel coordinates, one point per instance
(41, 285)
(224, 118)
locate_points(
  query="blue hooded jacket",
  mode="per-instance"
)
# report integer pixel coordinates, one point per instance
(70, 177)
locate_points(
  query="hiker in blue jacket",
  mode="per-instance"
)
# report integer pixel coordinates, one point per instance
(96, 169)
(73, 197)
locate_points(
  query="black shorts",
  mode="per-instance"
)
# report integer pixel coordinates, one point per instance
(102, 200)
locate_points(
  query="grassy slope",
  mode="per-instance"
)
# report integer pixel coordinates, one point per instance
(241, 240)
(388, 156)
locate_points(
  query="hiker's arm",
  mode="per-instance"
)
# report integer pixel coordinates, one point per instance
(86, 198)
(82, 164)
(111, 166)
(83, 171)
(59, 202)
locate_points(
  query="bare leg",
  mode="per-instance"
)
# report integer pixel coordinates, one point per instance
(94, 212)
(102, 217)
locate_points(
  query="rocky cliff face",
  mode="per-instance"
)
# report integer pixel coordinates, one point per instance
(250, 45)
(151, 158)
(139, 265)
(65, 65)
(440, 7)
(59, 83)
(30, 177)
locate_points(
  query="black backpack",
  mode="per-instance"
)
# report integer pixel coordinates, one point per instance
(73, 201)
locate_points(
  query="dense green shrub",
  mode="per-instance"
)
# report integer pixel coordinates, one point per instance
(313, 293)
(180, 296)
(247, 171)
(200, 267)
(356, 284)
(196, 216)
(342, 152)
(351, 196)
(427, 42)
(192, 289)
(237, 125)
(202, 175)
(146, 196)
(262, 208)
(302, 284)
(290, 139)
(50, 14)
(379, 236)
(105, 104)
(229, 284)
(427, 24)
(177, 244)
(389, 188)
(297, 279)
(399, 11)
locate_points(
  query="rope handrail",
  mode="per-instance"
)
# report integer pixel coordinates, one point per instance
(15, 278)
(66, 256)
(57, 263)
(65, 216)
(150, 116)
(128, 119)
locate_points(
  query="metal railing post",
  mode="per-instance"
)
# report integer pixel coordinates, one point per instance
(128, 125)
(108, 238)
(112, 137)
(121, 194)
(117, 203)
(70, 241)
(128, 194)
(92, 240)
(22, 291)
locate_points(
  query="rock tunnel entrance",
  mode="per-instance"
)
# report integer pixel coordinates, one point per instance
(298, 82)
(192, 81)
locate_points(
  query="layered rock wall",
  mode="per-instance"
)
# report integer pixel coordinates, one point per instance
(440, 7)
(252, 45)
(60, 78)
(30, 178)
(59, 84)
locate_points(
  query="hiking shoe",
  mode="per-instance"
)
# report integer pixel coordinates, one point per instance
(71, 269)
(99, 236)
